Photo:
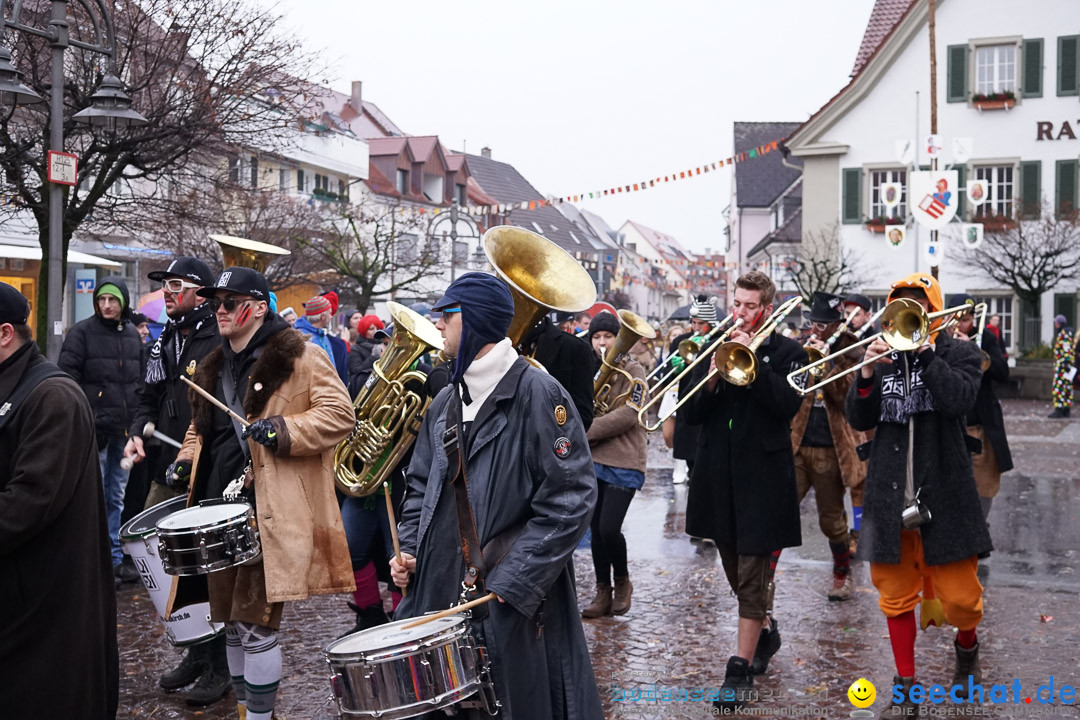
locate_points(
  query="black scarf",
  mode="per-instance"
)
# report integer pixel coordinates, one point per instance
(903, 392)
(155, 367)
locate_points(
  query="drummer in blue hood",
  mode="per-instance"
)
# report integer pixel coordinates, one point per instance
(512, 434)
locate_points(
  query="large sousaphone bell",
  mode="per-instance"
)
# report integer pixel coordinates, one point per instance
(541, 275)
(389, 409)
(241, 252)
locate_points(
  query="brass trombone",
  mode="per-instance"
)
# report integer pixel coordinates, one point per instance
(905, 326)
(687, 350)
(736, 363)
(658, 396)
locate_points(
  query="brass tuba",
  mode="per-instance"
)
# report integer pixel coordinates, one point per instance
(388, 412)
(241, 252)
(631, 329)
(541, 275)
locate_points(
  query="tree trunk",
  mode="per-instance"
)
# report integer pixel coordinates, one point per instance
(1030, 327)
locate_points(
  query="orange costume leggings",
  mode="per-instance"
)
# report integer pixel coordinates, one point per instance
(955, 584)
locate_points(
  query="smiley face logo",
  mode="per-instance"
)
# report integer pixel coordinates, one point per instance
(862, 693)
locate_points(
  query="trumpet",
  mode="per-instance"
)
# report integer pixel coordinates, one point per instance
(905, 326)
(813, 354)
(632, 328)
(687, 350)
(657, 397)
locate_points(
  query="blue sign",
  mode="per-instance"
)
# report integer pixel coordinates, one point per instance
(85, 285)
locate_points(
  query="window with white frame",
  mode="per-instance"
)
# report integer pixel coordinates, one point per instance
(877, 203)
(999, 198)
(995, 69)
(1002, 306)
(283, 179)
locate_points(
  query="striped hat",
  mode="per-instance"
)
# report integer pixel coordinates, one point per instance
(703, 309)
(317, 306)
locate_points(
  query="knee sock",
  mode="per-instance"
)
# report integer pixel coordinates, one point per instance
(841, 558)
(367, 587)
(395, 597)
(966, 639)
(902, 638)
(234, 653)
(856, 518)
(262, 669)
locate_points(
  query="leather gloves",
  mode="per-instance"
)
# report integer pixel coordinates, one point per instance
(263, 432)
(178, 475)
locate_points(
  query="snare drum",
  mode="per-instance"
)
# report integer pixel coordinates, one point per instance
(389, 673)
(202, 539)
(187, 625)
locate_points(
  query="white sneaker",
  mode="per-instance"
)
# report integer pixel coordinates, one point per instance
(681, 473)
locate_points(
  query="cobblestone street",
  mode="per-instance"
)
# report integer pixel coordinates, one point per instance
(681, 628)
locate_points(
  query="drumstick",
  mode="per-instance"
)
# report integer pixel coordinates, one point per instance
(393, 528)
(452, 611)
(217, 403)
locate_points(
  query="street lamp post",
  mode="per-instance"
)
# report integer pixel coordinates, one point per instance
(454, 216)
(109, 108)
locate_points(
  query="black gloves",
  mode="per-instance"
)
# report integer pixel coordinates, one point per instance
(178, 475)
(263, 432)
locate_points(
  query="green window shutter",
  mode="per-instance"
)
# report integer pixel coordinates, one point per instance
(1065, 190)
(956, 86)
(1068, 70)
(1031, 190)
(1032, 55)
(961, 194)
(852, 196)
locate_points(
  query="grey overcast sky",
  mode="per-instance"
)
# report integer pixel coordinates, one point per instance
(593, 94)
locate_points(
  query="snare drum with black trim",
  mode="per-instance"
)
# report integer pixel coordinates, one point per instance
(388, 672)
(189, 624)
(208, 537)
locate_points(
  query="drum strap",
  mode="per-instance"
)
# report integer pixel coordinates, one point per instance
(29, 380)
(232, 399)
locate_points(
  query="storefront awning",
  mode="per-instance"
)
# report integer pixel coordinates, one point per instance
(21, 252)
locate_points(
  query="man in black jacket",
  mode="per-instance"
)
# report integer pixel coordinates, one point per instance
(189, 335)
(58, 604)
(685, 440)
(568, 359)
(742, 490)
(103, 354)
(985, 421)
(922, 517)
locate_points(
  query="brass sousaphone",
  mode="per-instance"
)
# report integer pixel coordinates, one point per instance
(241, 252)
(541, 275)
(631, 329)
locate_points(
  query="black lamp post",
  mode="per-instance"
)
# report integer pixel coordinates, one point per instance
(109, 108)
(454, 217)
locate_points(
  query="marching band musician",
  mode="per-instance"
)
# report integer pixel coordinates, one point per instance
(919, 400)
(567, 358)
(985, 421)
(684, 449)
(617, 442)
(861, 305)
(189, 335)
(501, 489)
(742, 491)
(298, 411)
(824, 443)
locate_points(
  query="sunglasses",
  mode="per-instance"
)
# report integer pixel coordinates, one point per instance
(177, 286)
(449, 313)
(228, 303)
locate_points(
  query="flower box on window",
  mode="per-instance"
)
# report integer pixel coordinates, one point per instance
(878, 225)
(996, 223)
(994, 101)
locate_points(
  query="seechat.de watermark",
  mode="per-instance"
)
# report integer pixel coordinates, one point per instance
(1012, 693)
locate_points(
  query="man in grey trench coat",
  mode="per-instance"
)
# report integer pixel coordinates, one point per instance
(531, 489)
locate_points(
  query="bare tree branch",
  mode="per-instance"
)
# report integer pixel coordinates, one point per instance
(827, 265)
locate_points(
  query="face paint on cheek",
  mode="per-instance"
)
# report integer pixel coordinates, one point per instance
(243, 316)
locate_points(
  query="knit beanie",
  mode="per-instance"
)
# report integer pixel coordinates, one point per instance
(366, 322)
(702, 309)
(316, 306)
(110, 289)
(603, 321)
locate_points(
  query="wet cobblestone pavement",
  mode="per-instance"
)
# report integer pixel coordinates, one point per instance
(681, 628)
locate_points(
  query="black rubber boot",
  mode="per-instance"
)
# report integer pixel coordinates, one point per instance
(213, 684)
(187, 672)
(767, 645)
(905, 708)
(967, 663)
(738, 686)
(1058, 413)
(367, 617)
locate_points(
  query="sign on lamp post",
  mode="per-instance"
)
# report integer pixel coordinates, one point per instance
(63, 168)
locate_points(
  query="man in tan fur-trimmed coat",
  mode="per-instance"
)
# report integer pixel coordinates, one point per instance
(824, 443)
(298, 411)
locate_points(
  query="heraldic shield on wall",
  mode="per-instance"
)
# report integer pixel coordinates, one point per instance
(933, 198)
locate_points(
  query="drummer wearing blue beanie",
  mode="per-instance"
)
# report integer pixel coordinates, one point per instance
(503, 479)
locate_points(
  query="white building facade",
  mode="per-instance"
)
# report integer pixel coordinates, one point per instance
(1025, 145)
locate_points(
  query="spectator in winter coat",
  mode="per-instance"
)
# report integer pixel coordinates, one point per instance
(103, 354)
(314, 324)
